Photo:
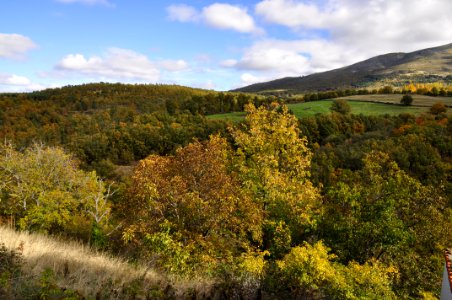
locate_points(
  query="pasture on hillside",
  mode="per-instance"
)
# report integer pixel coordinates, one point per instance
(367, 106)
(418, 100)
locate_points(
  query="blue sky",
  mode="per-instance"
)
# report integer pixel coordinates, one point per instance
(209, 44)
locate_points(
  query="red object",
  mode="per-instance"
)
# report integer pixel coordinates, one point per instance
(448, 255)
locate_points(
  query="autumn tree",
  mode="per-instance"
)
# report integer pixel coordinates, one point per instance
(438, 108)
(43, 189)
(340, 106)
(311, 272)
(381, 213)
(192, 203)
(273, 165)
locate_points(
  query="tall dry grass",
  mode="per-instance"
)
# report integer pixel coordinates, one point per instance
(76, 266)
(91, 273)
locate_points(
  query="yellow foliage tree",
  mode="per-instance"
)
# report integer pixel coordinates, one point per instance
(310, 272)
(44, 190)
(273, 165)
(194, 198)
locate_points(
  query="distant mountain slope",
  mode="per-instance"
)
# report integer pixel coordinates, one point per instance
(394, 68)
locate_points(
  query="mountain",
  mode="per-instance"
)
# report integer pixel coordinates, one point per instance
(427, 65)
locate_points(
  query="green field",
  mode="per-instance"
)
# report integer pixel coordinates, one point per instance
(306, 109)
(418, 100)
(358, 107)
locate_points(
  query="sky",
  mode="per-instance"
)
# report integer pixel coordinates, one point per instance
(207, 44)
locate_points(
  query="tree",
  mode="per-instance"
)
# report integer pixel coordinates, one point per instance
(45, 191)
(438, 108)
(386, 90)
(406, 100)
(273, 165)
(341, 106)
(310, 272)
(381, 213)
(192, 203)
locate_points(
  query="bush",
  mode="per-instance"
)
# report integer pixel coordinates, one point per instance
(10, 271)
(311, 272)
(406, 100)
(341, 106)
(438, 108)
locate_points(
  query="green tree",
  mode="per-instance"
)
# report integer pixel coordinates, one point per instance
(45, 191)
(381, 213)
(406, 100)
(273, 165)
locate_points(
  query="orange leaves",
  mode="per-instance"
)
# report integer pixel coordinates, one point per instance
(195, 195)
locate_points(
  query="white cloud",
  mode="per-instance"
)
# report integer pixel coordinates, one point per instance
(290, 13)
(372, 27)
(248, 79)
(87, 2)
(118, 65)
(14, 46)
(182, 13)
(280, 58)
(174, 65)
(335, 33)
(17, 83)
(207, 85)
(229, 63)
(226, 16)
(13, 79)
(217, 15)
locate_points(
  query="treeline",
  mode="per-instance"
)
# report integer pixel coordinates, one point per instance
(420, 89)
(105, 124)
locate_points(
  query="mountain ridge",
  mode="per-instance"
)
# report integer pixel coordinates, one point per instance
(395, 68)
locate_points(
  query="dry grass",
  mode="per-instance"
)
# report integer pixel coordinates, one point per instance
(88, 272)
(78, 267)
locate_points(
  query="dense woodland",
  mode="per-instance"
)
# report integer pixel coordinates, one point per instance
(335, 206)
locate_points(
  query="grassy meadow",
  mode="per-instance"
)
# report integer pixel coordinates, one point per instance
(418, 100)
(366, 105)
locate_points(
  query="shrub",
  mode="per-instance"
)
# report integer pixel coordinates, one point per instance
(406, 100)
(341, 106)
(438, 108)
(311, 272)
(10, 271)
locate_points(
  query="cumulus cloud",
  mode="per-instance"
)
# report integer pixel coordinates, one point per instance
(248, 79)
(119, 64)
(374, 27)
(334, 33)
(279, 58)
(173, 65)
(290, 13)
(17, 83)
(217, 15)
(87, 2)
(182, 13)
(14, 46)
(226, 16)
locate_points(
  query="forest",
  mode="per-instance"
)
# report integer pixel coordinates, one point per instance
(331, 206)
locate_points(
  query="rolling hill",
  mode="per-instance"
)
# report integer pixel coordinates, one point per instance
(427, 65)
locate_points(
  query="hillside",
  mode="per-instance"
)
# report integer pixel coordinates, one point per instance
(427, 65)
(177, 198)
(61, 269)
